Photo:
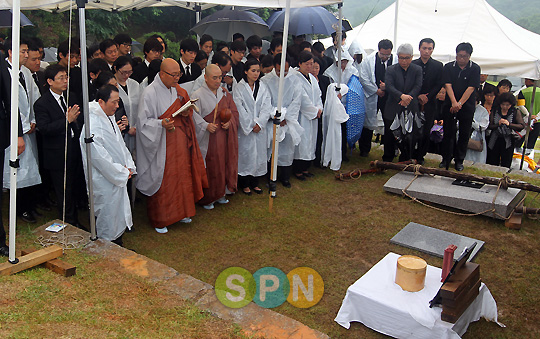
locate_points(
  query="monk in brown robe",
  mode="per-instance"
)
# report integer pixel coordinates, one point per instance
(217, 136)
(172, 171)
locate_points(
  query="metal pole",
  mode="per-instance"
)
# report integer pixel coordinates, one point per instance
(198, 18)
(338, 40)
(531, 107)
(275, 144)
(13, 157)
(396, 23)
(88, 139)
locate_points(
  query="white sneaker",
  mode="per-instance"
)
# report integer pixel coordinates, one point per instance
(186, 220)
(222, 200)
(209, 206)
(162, 230)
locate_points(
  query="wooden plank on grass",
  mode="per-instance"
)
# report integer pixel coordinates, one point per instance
(31, 260)
(55, 265)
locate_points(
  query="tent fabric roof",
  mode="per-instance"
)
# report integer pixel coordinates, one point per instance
(122, 5)
(500, 46)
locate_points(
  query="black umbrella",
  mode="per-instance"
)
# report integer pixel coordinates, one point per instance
(223, 24)
(6, 19)
(307, 20)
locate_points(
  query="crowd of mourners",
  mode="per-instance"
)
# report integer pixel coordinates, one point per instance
(197, 129)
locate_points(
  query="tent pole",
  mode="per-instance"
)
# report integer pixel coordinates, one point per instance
(275, 144)
(526, 141)
(13, 157)
(198, 18)
(339, 45)
(396, 23)
(88, 140)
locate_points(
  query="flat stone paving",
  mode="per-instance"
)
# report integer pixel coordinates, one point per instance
(253, 319)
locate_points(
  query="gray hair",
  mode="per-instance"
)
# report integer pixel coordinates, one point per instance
(406, 49)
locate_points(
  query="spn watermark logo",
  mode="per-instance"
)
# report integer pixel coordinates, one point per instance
(269, 287)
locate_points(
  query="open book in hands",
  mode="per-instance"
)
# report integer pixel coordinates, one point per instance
(187, 105)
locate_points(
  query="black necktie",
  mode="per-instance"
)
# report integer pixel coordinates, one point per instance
(188, 73)
(63, 104)
(35, 79)
(21, 80)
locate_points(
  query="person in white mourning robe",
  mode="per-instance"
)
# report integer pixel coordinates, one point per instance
(372, 77)
(334, 115)
(479, 126)
(289, 131)
(112, 166)
(310, 110)
(28, 172)
(347, 71)
(254, 104)
(129, 91)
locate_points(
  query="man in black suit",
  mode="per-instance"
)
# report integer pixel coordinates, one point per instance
(431, 85)
(403, 84)
(5, 107)
(70, 57)
(483, 86)
(189, 69)
(152, 50)
(51, 113)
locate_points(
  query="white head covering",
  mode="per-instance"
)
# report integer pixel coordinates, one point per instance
(356, 48)
(344, 55)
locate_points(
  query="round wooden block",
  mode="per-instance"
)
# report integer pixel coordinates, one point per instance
(411, 273)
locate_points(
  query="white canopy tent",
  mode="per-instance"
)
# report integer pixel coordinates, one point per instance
(119, 5)
(500, 46)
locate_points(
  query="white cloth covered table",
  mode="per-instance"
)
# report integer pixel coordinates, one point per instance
(380, 304)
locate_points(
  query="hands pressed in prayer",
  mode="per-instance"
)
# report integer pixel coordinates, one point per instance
(122, 123)
(211, 127)
(228, 80)
(20, 145)
(256, 128)
(504, 122)
(72, 113)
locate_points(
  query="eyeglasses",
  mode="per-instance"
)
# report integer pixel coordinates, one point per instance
(127, 45)
(176, 75)
(124, 73)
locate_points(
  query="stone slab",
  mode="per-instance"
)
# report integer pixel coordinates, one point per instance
(439, 190)
(434, 241)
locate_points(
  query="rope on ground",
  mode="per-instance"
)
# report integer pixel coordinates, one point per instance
(503, 183)
(66, 241)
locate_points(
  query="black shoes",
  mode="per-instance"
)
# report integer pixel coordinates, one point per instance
(4, 251)
(286, 183)
(300, 177)
(28, 217)
(308, 174)
(459, 166)
(443, 164)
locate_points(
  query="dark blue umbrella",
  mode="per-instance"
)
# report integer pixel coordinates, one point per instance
(6, 19)
(223, 24)
(306, 20)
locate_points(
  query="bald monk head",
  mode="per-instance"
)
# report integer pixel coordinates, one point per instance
(169, 72)
(213, 76)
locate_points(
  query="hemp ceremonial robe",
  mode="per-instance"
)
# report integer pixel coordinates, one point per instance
(28, 172)
(111, 162)
(252, 147)
(289, 135)
(310, 105)
(131, 105)
(170, 166)
(219, 149)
